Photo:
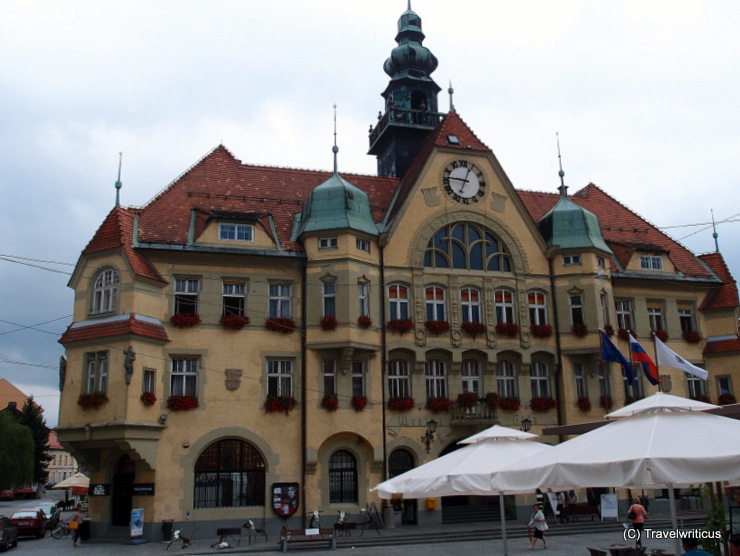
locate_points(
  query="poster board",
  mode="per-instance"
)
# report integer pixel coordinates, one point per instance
(285, 499)
(609, 506)
(137, 522)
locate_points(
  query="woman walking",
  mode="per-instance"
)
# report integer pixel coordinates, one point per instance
(540, 526)
(637, 515)
(75, 523)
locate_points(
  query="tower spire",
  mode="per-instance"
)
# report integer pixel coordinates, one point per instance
(563, 188)
(119, 185)
(451, 91)
(335, 148)
(715, 235)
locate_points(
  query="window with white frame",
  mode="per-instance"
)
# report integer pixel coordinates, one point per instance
(435, 371)
(148, 381)
(569, 260)
(233, 298)
(697, 387)
(537, 308)
(358, 378)
(636, 390)
(435, 303)
(329, 296)
(604, 300)
(470, 304)
(97, 371)
(278, 303)
(399, 383)
(329, 367)
(398, 301)
(328, 243)
(471, 376)
(235, 232)
(279, 377)
(184, 376)
(363, 245)
(600, 262)
(539, 379)
(363, 298)
(605, 387)
(579, 374)
(576, 309)
(624, 314)
(686, 318)
(724, 385)
(506, 379)
(504, 300)
(186, 295)
(105, 291)
(651, 262)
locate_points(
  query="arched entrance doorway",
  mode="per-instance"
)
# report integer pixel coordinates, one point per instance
(400, 461)
(122, 492)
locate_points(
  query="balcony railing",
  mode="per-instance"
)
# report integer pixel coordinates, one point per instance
(423, 119)
(480, 412)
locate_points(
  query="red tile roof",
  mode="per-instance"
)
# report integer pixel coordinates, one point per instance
(77, 332)
(722, 346)
(725, 296)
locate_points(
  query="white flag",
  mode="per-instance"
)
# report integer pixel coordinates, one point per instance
(668, 358)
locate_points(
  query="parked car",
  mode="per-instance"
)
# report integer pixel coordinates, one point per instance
(30, 522)
(51, 512)
(8, 533)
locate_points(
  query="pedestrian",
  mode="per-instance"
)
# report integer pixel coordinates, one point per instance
(562, 504)
(637, 515)
(75, 523)
(690, 545)
(540, 526)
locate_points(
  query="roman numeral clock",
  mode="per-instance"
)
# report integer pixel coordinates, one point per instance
(463, 181)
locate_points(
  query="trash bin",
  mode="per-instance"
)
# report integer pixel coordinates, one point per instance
(167, 529)
(84, 529)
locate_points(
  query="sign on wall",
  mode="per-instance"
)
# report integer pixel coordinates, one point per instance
(100, 489)
(285, 498)
(143, 489)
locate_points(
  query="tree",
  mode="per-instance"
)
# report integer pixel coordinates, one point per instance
(16, 453)
(32, 416)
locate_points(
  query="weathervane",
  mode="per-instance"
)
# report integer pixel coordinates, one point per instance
(119, 185)
(335, 149)
(563, 188)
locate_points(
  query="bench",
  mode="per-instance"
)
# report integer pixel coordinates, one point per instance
(573, 512)
(226, 533)
(323, 535)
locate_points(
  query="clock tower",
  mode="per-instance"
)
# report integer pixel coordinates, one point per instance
(410, 100)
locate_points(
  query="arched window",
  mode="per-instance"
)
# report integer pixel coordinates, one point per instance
(229, 473)
(539, 378)
(400, 461)
(471, 375)
(105, 291)
(399, 381)
(342, 478)
(467, 246)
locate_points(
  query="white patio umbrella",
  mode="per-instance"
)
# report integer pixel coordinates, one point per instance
(467, 471)
(666, 442)
(78, 480)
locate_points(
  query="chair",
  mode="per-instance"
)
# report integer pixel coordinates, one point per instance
(596, 552)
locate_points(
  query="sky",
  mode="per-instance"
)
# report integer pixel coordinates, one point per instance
(643, 95)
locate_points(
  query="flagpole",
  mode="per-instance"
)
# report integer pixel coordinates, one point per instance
(657, 364)
(632, 384)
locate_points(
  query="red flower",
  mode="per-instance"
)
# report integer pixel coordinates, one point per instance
(584, 404)
(541, 404)
(329, 322)
(474, 328)
(148, 398)
(282, 404)
(508, 329)
(702, 398)
(182, 403)
(286, 325)
(606, 402)
(185, 320)
(692, 337)
(609, 330)
(467, 400)
(401, 404)
(662, 335)
(400, 325)
(579, 329)
(438, 405)
(364, 321)
(509, 404)
(437, 326)
(492, 401)
(624, 334)
(726, 399)
(358, 402)
(92, 401)
(541, 330)
(330, 402)
(233, 322)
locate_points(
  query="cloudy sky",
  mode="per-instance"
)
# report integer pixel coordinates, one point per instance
(644, 95)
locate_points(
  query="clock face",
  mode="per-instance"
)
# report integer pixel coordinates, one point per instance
(463, 181)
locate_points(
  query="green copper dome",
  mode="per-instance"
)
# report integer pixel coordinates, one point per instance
(569, 226)
(410, 57)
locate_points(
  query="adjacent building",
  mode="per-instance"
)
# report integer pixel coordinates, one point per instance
(257, 341)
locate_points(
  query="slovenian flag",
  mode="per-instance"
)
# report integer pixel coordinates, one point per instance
(639, 355)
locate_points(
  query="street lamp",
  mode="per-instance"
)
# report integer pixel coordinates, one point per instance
(525, 424)
(428, 437)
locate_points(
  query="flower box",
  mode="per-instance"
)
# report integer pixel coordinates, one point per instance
(609, 330)
(330, 402)
(624, 334)
(579, 329)
(474, 328)
(584, 404)
(704, 399)
(507, 329)
(148, 398)
(400, 404)
(182, 403)
(286, 325)
(437, 327)
(467, 400)
(280, 404)
(510, 403)
(491, 400)
(364, 321)
(541, 331)
(233, 322)
(400, 326)
(606, 402)
(662, 335)
(329, 322)
(358, 402)
(438, 405)
(185, 320)
(692, 337)
(92, 400)
(726, 399)
(541, 404)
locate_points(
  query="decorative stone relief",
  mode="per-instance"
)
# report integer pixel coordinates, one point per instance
(431, 198)
(498, 202)
(233, 379)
